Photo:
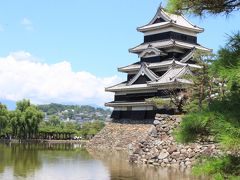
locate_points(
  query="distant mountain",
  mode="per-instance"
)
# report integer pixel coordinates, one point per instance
(72, 112)
(11, 105)
(75, 112)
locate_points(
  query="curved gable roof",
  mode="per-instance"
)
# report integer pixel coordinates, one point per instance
(169, 19)
(143, 71)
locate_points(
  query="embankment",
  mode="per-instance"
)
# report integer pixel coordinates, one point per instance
(152, 143)
(119, 136)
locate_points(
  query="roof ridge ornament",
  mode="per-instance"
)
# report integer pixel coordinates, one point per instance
(159, 7)
(160, 14)
(174, 64)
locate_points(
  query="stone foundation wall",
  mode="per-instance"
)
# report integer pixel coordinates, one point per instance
(159, 147)
(118, 136)
(152, 143)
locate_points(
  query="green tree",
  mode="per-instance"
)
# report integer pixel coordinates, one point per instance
(32, 117)
(205, 85)
(199, 7)
(25, 120)
(219, 119)
(4, 119)
(54, 120)
(91, 129)
(23, 105)
(195, 96)
(70, 113)
(228, 64)
(15, 121)
(176, 100)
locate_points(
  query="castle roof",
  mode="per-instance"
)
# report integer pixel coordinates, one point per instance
(155, 65)
(123, 87)
(167, 44)
(171, 77)
(162, 64)
(164, 19)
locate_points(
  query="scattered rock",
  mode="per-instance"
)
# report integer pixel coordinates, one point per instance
(157, 142)
(172, 149)
(166, 160)
(182, 163)
(163, 154)
(153, 131)
(163, 164)
(187, 163)
(176, 154)
(150, 161)
(183, 151)
(133, 158)
(156, 122)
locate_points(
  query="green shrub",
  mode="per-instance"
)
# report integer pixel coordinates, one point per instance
(159, 102)
(193, 126)
(226, 167)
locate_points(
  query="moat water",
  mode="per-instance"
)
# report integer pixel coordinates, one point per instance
(73, 162)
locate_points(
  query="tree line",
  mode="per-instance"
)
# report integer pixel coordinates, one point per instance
(27, 121)
(212, 111)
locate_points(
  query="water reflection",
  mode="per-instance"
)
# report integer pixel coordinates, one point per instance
(48, 161)
(22, 158)
(119, 168)
(72, 162)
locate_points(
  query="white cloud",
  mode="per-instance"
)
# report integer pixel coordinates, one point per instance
(27, 24)
(21, 76)
(26, 21)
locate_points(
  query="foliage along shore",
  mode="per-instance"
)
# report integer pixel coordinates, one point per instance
(27, 122)
(52, 141)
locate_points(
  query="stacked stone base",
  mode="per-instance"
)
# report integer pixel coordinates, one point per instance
(118, 136)
(152, 144)
(159, 148)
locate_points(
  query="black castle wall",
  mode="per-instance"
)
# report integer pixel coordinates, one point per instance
(143, 96)
(170, 35)
(143, 116)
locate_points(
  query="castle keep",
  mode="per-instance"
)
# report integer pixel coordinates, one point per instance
(165, 56)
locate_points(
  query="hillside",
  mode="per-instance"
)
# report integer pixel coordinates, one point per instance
(84, 113)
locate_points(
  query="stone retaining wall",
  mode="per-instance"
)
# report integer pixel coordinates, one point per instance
(118, 136)
(159, 148)
(152, 143)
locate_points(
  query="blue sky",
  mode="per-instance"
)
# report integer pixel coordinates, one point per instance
(90, 36)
